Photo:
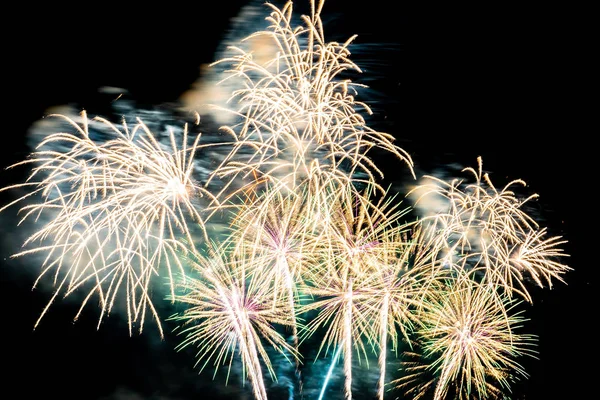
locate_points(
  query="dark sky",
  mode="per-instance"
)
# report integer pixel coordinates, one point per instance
(452, 84)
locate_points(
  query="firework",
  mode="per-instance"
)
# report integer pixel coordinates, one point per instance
(299, 118)
(469, 334)
(393, 295)
(350, 286)
(488, 232)
(117, 212)
(277, 230)
(315, 244)
(232, 308)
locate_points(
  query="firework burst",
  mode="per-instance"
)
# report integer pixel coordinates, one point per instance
(394, 293)
(299, 117)
(232, 307)
(487, 232)
(314, 244)
(117, 212)
(277, 231)
(469, 335)
(350, 285)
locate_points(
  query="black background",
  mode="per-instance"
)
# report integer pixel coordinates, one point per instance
(507, 83)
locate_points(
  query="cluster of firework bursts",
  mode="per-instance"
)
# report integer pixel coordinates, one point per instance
(315, 248)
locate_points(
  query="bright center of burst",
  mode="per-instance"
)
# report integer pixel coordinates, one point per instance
(176, 188)
(465, 336)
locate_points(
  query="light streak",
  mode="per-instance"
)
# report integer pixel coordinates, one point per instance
(330, 372)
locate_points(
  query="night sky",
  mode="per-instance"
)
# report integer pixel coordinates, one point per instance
(450, 84)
